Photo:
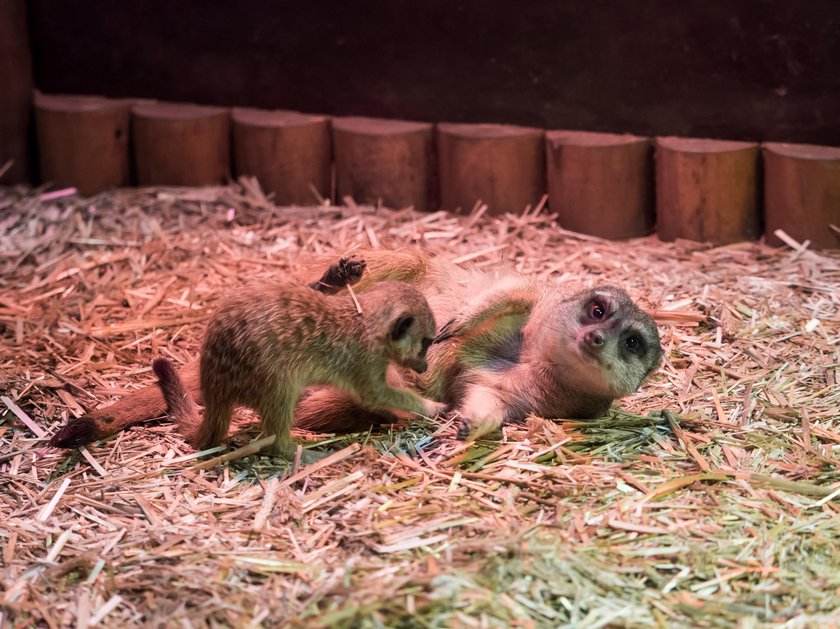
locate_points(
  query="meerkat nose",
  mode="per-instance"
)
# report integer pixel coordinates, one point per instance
(594, 339)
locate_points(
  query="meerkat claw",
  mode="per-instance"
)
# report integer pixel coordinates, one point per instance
(352, 269)
(463, 431)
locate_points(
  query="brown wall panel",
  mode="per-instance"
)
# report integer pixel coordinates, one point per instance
(741, 69)
(15, 91)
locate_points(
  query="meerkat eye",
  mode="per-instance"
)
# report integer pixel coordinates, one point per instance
(401, 327)
(597, 310)
(634, 344)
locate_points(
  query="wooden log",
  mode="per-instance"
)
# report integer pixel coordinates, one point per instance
(706, 190)
(802, 193)
(387, 161)
(288, 152)
(601, 183)
(15, 92)
(180, 144)
(82, 141)
(500, 165)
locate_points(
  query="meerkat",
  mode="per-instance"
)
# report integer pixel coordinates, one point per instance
(265, 344)
(571, 357)
(516, 346)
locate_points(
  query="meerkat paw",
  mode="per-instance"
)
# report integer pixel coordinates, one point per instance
(353, 268)
(463, 429)
(283, 448)
(471, 429)
(483, 412)
(343, 273)
(448, 330)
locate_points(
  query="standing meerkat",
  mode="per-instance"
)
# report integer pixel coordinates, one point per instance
(516, 346)
(265, 344)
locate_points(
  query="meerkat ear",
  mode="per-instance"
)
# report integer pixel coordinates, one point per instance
(401, 327)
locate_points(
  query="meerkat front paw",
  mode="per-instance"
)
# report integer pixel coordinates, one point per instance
(345, 271)
(462, 429)
(483, 411)
(448, 330)
(287, 449)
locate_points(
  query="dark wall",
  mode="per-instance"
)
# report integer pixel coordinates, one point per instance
(15, 92)
(743, 69)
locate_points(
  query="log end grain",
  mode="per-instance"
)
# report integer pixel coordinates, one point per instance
(379, 126)
(277, 118)
(487, 131)
(702, 145)
(171, 112)
(592, 139)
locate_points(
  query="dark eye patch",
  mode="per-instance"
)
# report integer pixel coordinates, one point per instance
(635, 344)
(401, 327)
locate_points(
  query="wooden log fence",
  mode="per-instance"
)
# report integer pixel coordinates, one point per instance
(602, 184)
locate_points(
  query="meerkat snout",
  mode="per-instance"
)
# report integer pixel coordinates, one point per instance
(594, 339)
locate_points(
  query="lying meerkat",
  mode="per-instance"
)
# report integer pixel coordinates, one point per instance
(265, 344)
(510, 331)
(571, 357)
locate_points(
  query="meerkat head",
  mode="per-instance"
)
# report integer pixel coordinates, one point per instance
(606, 344)
(399, 317)
(616, 338)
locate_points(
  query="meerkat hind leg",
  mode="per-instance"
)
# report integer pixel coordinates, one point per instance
(214, 427)
(276, 414)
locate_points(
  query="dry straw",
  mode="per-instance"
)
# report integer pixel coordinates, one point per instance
(723, 510)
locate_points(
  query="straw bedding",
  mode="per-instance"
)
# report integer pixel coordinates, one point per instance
(711, 498)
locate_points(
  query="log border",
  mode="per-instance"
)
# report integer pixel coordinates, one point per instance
(489, 164)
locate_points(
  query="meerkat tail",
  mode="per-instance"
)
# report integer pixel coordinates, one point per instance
(142, 405)
(179, 401)
(325, 409)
